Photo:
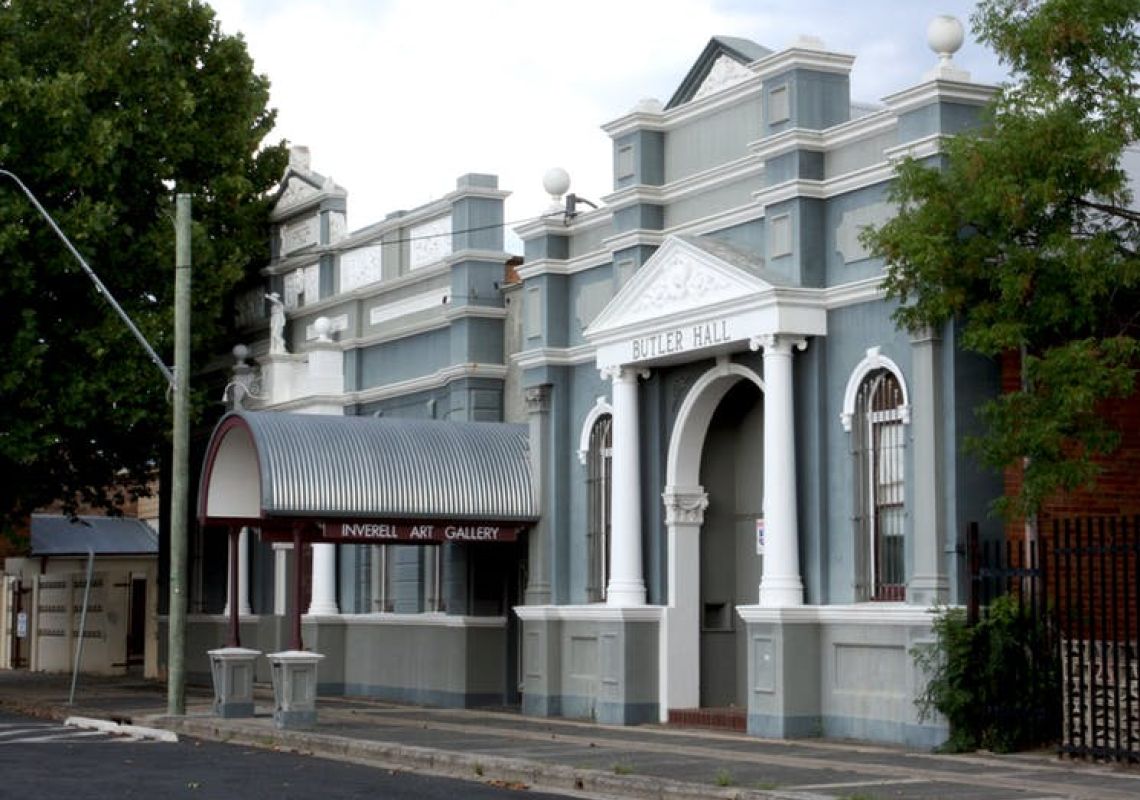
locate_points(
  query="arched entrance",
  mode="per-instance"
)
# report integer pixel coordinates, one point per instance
(732, 467)
(714, 486)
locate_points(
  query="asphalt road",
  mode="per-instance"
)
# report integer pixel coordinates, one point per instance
(48, 761)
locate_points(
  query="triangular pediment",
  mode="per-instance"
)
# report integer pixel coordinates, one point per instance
(682, 278)
(295, 190)
(301, 188)
(723, 63)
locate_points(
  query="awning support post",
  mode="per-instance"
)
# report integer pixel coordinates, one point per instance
(235, 628)
(298, 543)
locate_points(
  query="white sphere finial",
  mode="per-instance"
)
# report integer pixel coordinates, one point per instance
(241, 353)
(647, 105)
(944, 34)
(556, 182)
(321, 327)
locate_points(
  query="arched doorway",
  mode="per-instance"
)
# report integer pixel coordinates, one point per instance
(720, 420)
(732, 466)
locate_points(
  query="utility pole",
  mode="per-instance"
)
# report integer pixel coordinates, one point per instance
(176, 667)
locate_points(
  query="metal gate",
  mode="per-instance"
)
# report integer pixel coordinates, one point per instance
(1082, 583)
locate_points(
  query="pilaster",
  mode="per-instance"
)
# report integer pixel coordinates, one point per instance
(929, 584)
(539, 546)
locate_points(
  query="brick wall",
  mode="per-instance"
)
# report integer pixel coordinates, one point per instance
(1117, 489)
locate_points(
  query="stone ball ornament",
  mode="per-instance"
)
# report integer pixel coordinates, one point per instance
(945, 35)
(321, 327)
(556, 182)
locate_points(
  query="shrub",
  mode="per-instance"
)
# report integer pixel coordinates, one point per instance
(997, 683)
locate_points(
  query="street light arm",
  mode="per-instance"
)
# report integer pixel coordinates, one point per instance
(166, 372)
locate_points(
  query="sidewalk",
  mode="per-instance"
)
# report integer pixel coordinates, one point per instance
(584, 759)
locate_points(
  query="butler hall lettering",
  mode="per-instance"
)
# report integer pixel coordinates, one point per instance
(681, 340)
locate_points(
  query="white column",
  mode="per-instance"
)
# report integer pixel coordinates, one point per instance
(243, 576)
(324, 580)
(281, 577)
(680, 656)
(780, 584)
(626, 586)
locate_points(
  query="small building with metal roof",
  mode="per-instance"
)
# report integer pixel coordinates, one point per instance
(50, 603)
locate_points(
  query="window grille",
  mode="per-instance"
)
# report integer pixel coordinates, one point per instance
(598, 488)
(877, 436)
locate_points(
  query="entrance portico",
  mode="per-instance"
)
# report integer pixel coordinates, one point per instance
(689, 302)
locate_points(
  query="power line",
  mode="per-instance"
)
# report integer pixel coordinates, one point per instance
(476, 229)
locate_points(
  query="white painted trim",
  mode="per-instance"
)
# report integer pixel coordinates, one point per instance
(840, 135)
(432, 619)
(858, 613)
(634, 238)
(854, 293)
(740, 169)
(600, 408)
(383, 313)
(675, 117)
(873, 360)
(802, 58)
(679, 662)
(594, 612)
(569, 266)
(473, 254)
(940, 91)
(554, 356)
(454, 312)
(694, 416)
(420, 326)
(433, 381)
(923, 147)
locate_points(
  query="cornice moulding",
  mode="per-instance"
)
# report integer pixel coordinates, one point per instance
(802, 58)
(435, 380)
(674, 117)
(940, 91)
(554, 356)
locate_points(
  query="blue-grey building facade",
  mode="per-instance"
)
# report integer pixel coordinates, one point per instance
(751, 482)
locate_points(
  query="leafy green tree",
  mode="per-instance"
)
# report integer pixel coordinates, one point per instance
(1024, 236)
(107, 108)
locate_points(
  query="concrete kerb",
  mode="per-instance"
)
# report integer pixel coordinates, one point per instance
(466, 766)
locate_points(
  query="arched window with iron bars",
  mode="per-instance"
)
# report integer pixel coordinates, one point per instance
(878, 445)
(598, 487)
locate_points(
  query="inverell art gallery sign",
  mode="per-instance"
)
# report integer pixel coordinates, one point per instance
(392, 532)
(422, 533)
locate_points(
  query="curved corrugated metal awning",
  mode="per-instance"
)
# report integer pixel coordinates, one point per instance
(268, 465)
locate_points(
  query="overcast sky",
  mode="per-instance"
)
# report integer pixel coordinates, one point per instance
(397, 98)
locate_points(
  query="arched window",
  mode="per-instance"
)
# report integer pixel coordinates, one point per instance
(599, 472)
(877, 438)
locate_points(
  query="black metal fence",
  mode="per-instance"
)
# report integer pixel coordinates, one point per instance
(1020, 646)
(1080, 584)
